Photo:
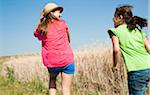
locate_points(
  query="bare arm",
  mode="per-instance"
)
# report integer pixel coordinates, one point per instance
(68, 35)
(147, 44)
(116, 50)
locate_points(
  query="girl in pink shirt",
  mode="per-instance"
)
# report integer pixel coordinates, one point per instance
(57, 54)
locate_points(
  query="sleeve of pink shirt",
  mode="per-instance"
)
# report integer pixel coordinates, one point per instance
(37, 34)
(64, 22)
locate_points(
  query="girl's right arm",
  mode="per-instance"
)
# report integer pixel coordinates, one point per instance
(37, 34)
(116, 50)
(147, 44)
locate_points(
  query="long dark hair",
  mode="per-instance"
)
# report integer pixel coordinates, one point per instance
(131, 21)
(45, 21)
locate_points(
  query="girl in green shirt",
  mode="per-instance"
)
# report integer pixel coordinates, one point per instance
(134, 46)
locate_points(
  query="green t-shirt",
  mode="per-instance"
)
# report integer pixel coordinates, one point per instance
(132, 47)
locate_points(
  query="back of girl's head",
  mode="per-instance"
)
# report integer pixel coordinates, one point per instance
(46, 17)
(132, 21)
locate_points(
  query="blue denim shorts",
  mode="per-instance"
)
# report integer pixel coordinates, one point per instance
(68, 69)
(138, 81)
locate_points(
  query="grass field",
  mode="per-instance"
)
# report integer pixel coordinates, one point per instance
(26, 75)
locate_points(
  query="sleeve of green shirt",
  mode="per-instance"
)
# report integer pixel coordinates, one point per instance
(112, 32)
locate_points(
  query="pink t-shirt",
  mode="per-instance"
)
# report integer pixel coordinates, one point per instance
(56, 50)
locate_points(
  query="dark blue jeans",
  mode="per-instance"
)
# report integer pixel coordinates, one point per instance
(138, 81)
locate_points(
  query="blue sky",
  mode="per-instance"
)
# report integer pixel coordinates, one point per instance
(88, 21)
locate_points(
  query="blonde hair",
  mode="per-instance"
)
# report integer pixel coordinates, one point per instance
(45, 21)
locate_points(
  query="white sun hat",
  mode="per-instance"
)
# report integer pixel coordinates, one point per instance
(49, 7)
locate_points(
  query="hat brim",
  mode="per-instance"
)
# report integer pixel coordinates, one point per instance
(58, 8)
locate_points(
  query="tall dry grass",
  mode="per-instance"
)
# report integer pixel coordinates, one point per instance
(94, 73)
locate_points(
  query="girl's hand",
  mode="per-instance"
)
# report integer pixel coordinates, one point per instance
(40, 31)
(114, 69)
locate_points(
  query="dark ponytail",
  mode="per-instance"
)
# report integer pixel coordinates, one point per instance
(136, 22)
(131, 21)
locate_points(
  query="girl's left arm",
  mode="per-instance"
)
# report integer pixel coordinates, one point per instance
(116, 50)
(67, 30)
(147, 44)
(68, 35)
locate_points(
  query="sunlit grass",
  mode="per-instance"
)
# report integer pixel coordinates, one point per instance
(94, 74)
(9, 87)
